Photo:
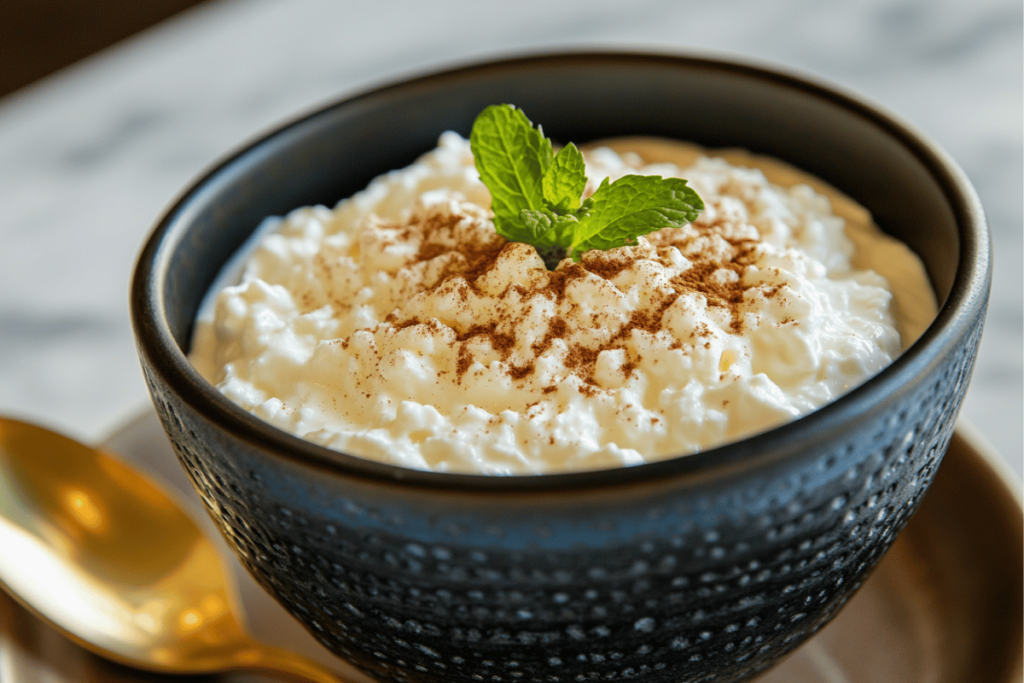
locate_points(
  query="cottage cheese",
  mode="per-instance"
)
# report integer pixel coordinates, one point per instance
(400, 327)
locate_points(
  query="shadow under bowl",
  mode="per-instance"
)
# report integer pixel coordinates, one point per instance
(708, 566)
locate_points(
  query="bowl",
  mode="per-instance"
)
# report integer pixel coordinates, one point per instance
(702, 567)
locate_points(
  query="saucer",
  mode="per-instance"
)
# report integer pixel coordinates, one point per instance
(944, 604)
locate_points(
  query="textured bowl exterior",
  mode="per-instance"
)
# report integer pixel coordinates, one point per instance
(706, 567)
(676, 581)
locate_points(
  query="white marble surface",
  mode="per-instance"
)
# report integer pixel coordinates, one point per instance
(90, 157)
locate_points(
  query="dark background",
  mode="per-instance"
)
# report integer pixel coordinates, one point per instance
(39, 37)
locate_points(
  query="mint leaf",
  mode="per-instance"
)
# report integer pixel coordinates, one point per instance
(512, 158)
(565, 180)
(536, 194)
(547, 228)
(634, 205)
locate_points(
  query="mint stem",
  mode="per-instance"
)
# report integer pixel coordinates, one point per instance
(552, 256)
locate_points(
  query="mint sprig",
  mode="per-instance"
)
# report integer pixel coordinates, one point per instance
(536, 195)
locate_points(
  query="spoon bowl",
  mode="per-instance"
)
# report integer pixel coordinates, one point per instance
(106, 556)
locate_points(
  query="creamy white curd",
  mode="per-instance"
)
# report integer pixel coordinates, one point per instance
(400, 327)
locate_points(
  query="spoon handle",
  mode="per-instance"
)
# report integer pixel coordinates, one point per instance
(302, 669)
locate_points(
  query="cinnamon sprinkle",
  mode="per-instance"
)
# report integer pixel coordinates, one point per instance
(717, 277)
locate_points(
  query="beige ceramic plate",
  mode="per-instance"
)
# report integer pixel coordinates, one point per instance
(944, 605)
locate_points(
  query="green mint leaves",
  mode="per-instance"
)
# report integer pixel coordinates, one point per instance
(536, 194)
(565, 179)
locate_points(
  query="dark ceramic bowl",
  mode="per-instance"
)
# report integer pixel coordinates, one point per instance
(709, 566)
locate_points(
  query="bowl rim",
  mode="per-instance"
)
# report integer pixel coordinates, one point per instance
(794, 439)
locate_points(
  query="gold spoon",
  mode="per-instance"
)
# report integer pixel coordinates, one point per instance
(98, 551)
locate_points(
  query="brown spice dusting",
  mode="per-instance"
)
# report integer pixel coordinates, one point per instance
(431, 251)
(701, 277)
(609, 268)
(557, 329)
(558, 280)
(465, 359)
(521, 371)
(580, 357)
(502, 342)
(716, 273)
(392, 318)
(477, 258)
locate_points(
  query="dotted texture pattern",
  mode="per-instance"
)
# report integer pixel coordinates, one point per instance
(665, 582)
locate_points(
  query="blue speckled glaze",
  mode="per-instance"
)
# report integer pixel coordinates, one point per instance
(699, 568)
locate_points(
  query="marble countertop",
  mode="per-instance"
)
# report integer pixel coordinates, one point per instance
(90, 157)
